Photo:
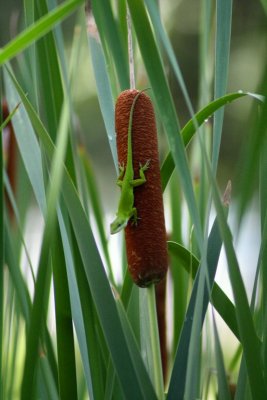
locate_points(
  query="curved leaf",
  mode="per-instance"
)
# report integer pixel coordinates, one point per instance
(37, 30)
(194, 123)
(164, 101)
(130, 378)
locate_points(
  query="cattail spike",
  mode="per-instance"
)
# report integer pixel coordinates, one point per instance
(145, 241)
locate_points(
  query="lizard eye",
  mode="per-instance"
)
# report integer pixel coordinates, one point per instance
(117, 226)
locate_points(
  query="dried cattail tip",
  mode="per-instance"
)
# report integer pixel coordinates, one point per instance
(145, 241)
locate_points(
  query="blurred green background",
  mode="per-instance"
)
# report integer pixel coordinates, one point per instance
(182, 20)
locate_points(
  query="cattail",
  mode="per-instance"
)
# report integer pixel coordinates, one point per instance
(10, 150)
(145, 241)
(161, 316)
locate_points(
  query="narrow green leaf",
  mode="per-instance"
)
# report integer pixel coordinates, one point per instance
(221, 302)
(253, 154)
(190, 128)
(37, 30)
(122, 18)
(222, 52)
(104, 93)
(249, 339)
(59, 39)
(163, 37)
(260, 318)
(106, 23)
(15, 210)
(29, 11)
(65, 339)
(8, 119)
(16, 275)
(103, 299)
(150, 346)
(47, 385)
(261, 267)
(178, 387)
(223, 387)
(1, 252)
(40, 301)
(165, 105)
(30, 53)
(180, 279)
(79, 302)
(49, 77)
(193, 367)
(97, 210)
(95, 273)
(184, 257)
(27, 143)
(242, 387)
(147, 390)
(22, 294)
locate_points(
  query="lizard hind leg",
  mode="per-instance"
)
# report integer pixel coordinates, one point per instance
(134, 216)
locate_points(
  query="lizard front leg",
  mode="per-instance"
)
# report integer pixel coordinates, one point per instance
(140, 181)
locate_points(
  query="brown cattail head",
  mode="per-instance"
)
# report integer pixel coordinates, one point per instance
(145, 241)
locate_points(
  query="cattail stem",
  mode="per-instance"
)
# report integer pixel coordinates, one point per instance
(161, 316)
(11, 154)
(130, 49)
(150, 339)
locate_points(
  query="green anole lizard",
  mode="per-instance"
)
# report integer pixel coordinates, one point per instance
(126, 181)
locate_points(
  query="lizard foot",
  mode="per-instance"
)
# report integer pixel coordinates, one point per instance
(145, 166)
(121, 167)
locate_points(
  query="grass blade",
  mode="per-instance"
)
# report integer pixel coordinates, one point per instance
(249, 339)
(96, 208)
(22, 293)
(148, 392)
(91, 325)
(180, 279)
(50, 80)
(190, 128)
(220, 301)
(41, 296)
(65, 340)
(223, 388)
(106, 23)
(1, 254)
(104, 93)
(222, 52)
(37, 30)
(79, 304)
(164, 102)
(178, 379)
(95, 274)
(159, 29)
(150, 346)
(27, 143)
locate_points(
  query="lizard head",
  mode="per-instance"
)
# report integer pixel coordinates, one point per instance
(118, 224)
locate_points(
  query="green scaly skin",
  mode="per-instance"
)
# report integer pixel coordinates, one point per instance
(126, 181)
